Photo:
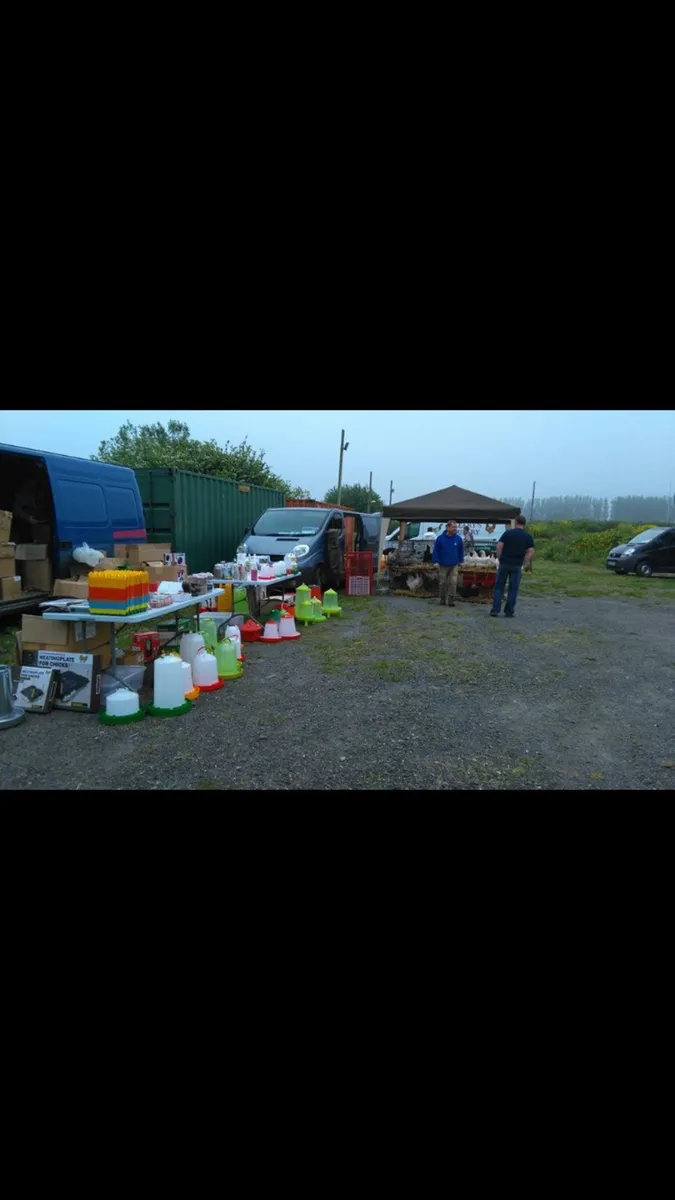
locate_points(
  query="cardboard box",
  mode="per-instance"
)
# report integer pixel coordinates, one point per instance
(36, 689)
(54, 635)
(5, 525)
(161, 574)
(171, 558)
(146, 552)
(79, 687)
(10, 588)
(8, 568)
(111, 564)
(30, 552)
(7, 550)
(72, 589)
(37, 576)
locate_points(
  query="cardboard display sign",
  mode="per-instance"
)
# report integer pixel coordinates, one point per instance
(36, 689)
(79, 687)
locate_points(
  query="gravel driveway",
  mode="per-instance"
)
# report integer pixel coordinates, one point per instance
(401, 693)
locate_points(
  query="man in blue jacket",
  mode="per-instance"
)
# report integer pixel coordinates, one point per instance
(448, 555)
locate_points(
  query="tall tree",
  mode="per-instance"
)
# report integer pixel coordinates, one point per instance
(157, 446)
(356, 495)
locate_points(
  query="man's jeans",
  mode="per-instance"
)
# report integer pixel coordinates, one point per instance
(513, 575)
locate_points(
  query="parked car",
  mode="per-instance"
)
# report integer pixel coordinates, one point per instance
(319, 537)
(649, 551)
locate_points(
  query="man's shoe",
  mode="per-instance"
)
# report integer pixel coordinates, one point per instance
(451, 603)
(492, 614)
(509, 614)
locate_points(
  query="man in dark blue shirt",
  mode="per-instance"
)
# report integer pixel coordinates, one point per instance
(515, 551)
(448, 555)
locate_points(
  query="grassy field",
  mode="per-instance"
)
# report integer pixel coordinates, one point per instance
(577, 579)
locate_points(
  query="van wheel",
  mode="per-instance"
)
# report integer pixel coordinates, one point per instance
(319, 577)
(643, 569)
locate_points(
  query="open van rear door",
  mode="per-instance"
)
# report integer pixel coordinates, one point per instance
(97, 503)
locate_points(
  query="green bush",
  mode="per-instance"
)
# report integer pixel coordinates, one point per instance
(580, 541)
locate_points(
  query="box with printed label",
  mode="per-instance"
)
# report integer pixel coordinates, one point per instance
(10, 587)
(146, 551)
(79, 687)
(173, 558)
(5, 524)
(30, 552)
(7, 550)
(159, 573)
(36, 689)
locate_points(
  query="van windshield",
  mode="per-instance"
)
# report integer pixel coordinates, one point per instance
(288, 522)
(645, 536)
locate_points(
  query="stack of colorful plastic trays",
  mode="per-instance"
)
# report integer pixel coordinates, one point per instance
(109, 593)
(118, 593)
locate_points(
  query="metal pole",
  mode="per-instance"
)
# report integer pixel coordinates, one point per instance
(370, 492)
(532, 500)
(391, 489)
(342, 450)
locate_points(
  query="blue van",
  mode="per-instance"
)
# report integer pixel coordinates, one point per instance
(63, 501)
(321, 535)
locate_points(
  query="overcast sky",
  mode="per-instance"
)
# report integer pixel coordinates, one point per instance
(497, 453)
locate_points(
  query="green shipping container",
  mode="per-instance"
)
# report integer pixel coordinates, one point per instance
(201, 515)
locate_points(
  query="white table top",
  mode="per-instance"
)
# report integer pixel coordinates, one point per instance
(249, 583)
(150, 614)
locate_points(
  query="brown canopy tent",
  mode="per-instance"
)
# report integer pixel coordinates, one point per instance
(451, 502)
(454, 502)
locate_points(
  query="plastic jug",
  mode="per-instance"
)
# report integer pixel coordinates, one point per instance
(210, 631)
(226, 659)
(190, 645)
(205, 672)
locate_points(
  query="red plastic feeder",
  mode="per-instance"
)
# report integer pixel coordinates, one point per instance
(212, 687)
(315, 594)
(251, 631)
(290, 609)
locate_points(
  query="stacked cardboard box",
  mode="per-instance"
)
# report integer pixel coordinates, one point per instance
(152, 556)
(35, 567)
(10, 580)
(38, 634)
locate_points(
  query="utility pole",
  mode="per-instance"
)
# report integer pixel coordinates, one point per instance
(343, 446)
(370, 492)
(391, 489)
(532, 500)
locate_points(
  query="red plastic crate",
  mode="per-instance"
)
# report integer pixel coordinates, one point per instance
(359, 585)
(359, 562)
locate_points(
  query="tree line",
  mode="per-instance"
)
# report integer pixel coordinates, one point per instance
(637, 509)
(156, 446)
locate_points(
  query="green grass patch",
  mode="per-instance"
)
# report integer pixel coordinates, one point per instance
(577, 579)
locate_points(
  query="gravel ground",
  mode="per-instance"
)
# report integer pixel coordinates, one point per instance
(401, 693)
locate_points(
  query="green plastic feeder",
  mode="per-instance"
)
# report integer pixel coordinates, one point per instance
(227, 662)
(209, 631)
(304, 611)
(330, 606)
(316, 610)
(302, 593)
(239, 600)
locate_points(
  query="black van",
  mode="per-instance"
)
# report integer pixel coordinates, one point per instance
(648, 552)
